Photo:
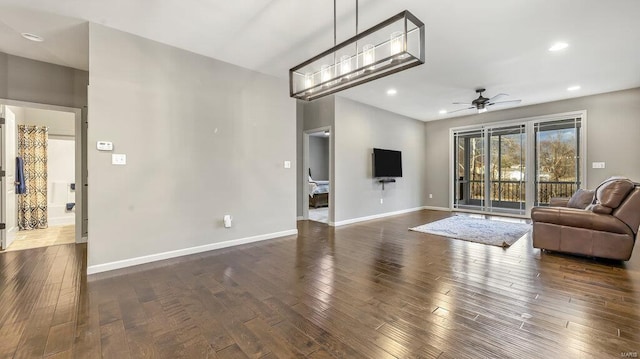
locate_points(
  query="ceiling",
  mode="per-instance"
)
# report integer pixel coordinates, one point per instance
(496, 44)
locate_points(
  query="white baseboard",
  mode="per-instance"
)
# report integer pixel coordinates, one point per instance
(99, 268)
(434, 208)
(299, 218)
(375, 216)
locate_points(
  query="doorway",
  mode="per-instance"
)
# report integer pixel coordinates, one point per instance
(317, 194)
(41, 152)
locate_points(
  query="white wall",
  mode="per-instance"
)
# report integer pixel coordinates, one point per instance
(59, 123)
(60, 174)
(613, 129)
(203, 138)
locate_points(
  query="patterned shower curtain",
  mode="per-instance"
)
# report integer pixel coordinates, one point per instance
(32, 206)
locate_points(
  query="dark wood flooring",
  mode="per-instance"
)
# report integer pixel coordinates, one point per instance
(369, 290)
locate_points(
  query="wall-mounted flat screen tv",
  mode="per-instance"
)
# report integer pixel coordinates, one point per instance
(387, 163)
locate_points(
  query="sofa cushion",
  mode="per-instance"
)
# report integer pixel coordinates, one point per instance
(579, 218)
(581, 199)
(613, 191)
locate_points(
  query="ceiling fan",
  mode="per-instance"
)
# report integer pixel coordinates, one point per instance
(482, 103)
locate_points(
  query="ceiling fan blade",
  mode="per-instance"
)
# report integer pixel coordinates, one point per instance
(505, 102)
(462, 103)
(497, 97)
(462, 109)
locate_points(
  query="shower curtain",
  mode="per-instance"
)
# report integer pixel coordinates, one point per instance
(32, 148)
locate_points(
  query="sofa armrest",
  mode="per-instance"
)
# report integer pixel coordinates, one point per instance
(579, 218)
(559, 201)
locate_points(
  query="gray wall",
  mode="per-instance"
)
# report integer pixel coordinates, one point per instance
(358, 129)
(319, 157)
(613, 130)
(203, 138)
(28, 80)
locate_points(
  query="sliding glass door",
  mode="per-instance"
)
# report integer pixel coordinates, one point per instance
(508, 168)
(490, 169)
(507, 177)
(470, 164)
(558, 165)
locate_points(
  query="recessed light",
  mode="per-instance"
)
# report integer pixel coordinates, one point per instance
(391, 92)
(573, 88)
(558, 46)
(32, 37)
(442, 112)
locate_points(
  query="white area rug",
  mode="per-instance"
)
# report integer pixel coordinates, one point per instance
(319, 214)
(480, 230)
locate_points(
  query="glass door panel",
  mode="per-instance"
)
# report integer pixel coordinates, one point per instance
(507, 167)
(558, 165)
(469, 169)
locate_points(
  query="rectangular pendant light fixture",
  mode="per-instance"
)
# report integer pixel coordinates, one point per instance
(393, 45)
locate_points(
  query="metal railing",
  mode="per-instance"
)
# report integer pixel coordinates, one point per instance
(547, 190)
(514, 191)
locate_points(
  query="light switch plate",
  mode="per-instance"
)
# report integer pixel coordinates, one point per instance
(118, 159)
(287, 164)
(597, 165)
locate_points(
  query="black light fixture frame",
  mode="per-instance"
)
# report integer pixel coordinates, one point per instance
(396, 63)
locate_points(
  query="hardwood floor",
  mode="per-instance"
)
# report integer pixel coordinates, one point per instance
(368, 290)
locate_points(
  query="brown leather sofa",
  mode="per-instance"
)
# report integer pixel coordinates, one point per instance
(606, 228)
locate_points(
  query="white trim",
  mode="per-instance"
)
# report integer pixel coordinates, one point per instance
(436, 208)
(541, 118)
(99, 268)
(300, 218)
(375, 216)
(83, 240)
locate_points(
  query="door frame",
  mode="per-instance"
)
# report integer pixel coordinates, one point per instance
(80, 157)
(8, 165)
(305, 173)
(529, 173)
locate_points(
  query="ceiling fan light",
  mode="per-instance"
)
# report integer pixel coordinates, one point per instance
(482, 110)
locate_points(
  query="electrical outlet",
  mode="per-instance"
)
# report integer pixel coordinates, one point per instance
(381, 200)
(430, 195)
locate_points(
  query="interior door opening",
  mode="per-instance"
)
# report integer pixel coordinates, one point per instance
(42, 159)
(317, 204)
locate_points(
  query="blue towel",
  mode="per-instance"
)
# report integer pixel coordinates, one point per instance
(21, 187)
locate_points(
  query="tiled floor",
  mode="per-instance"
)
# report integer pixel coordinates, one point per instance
(43, 237)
